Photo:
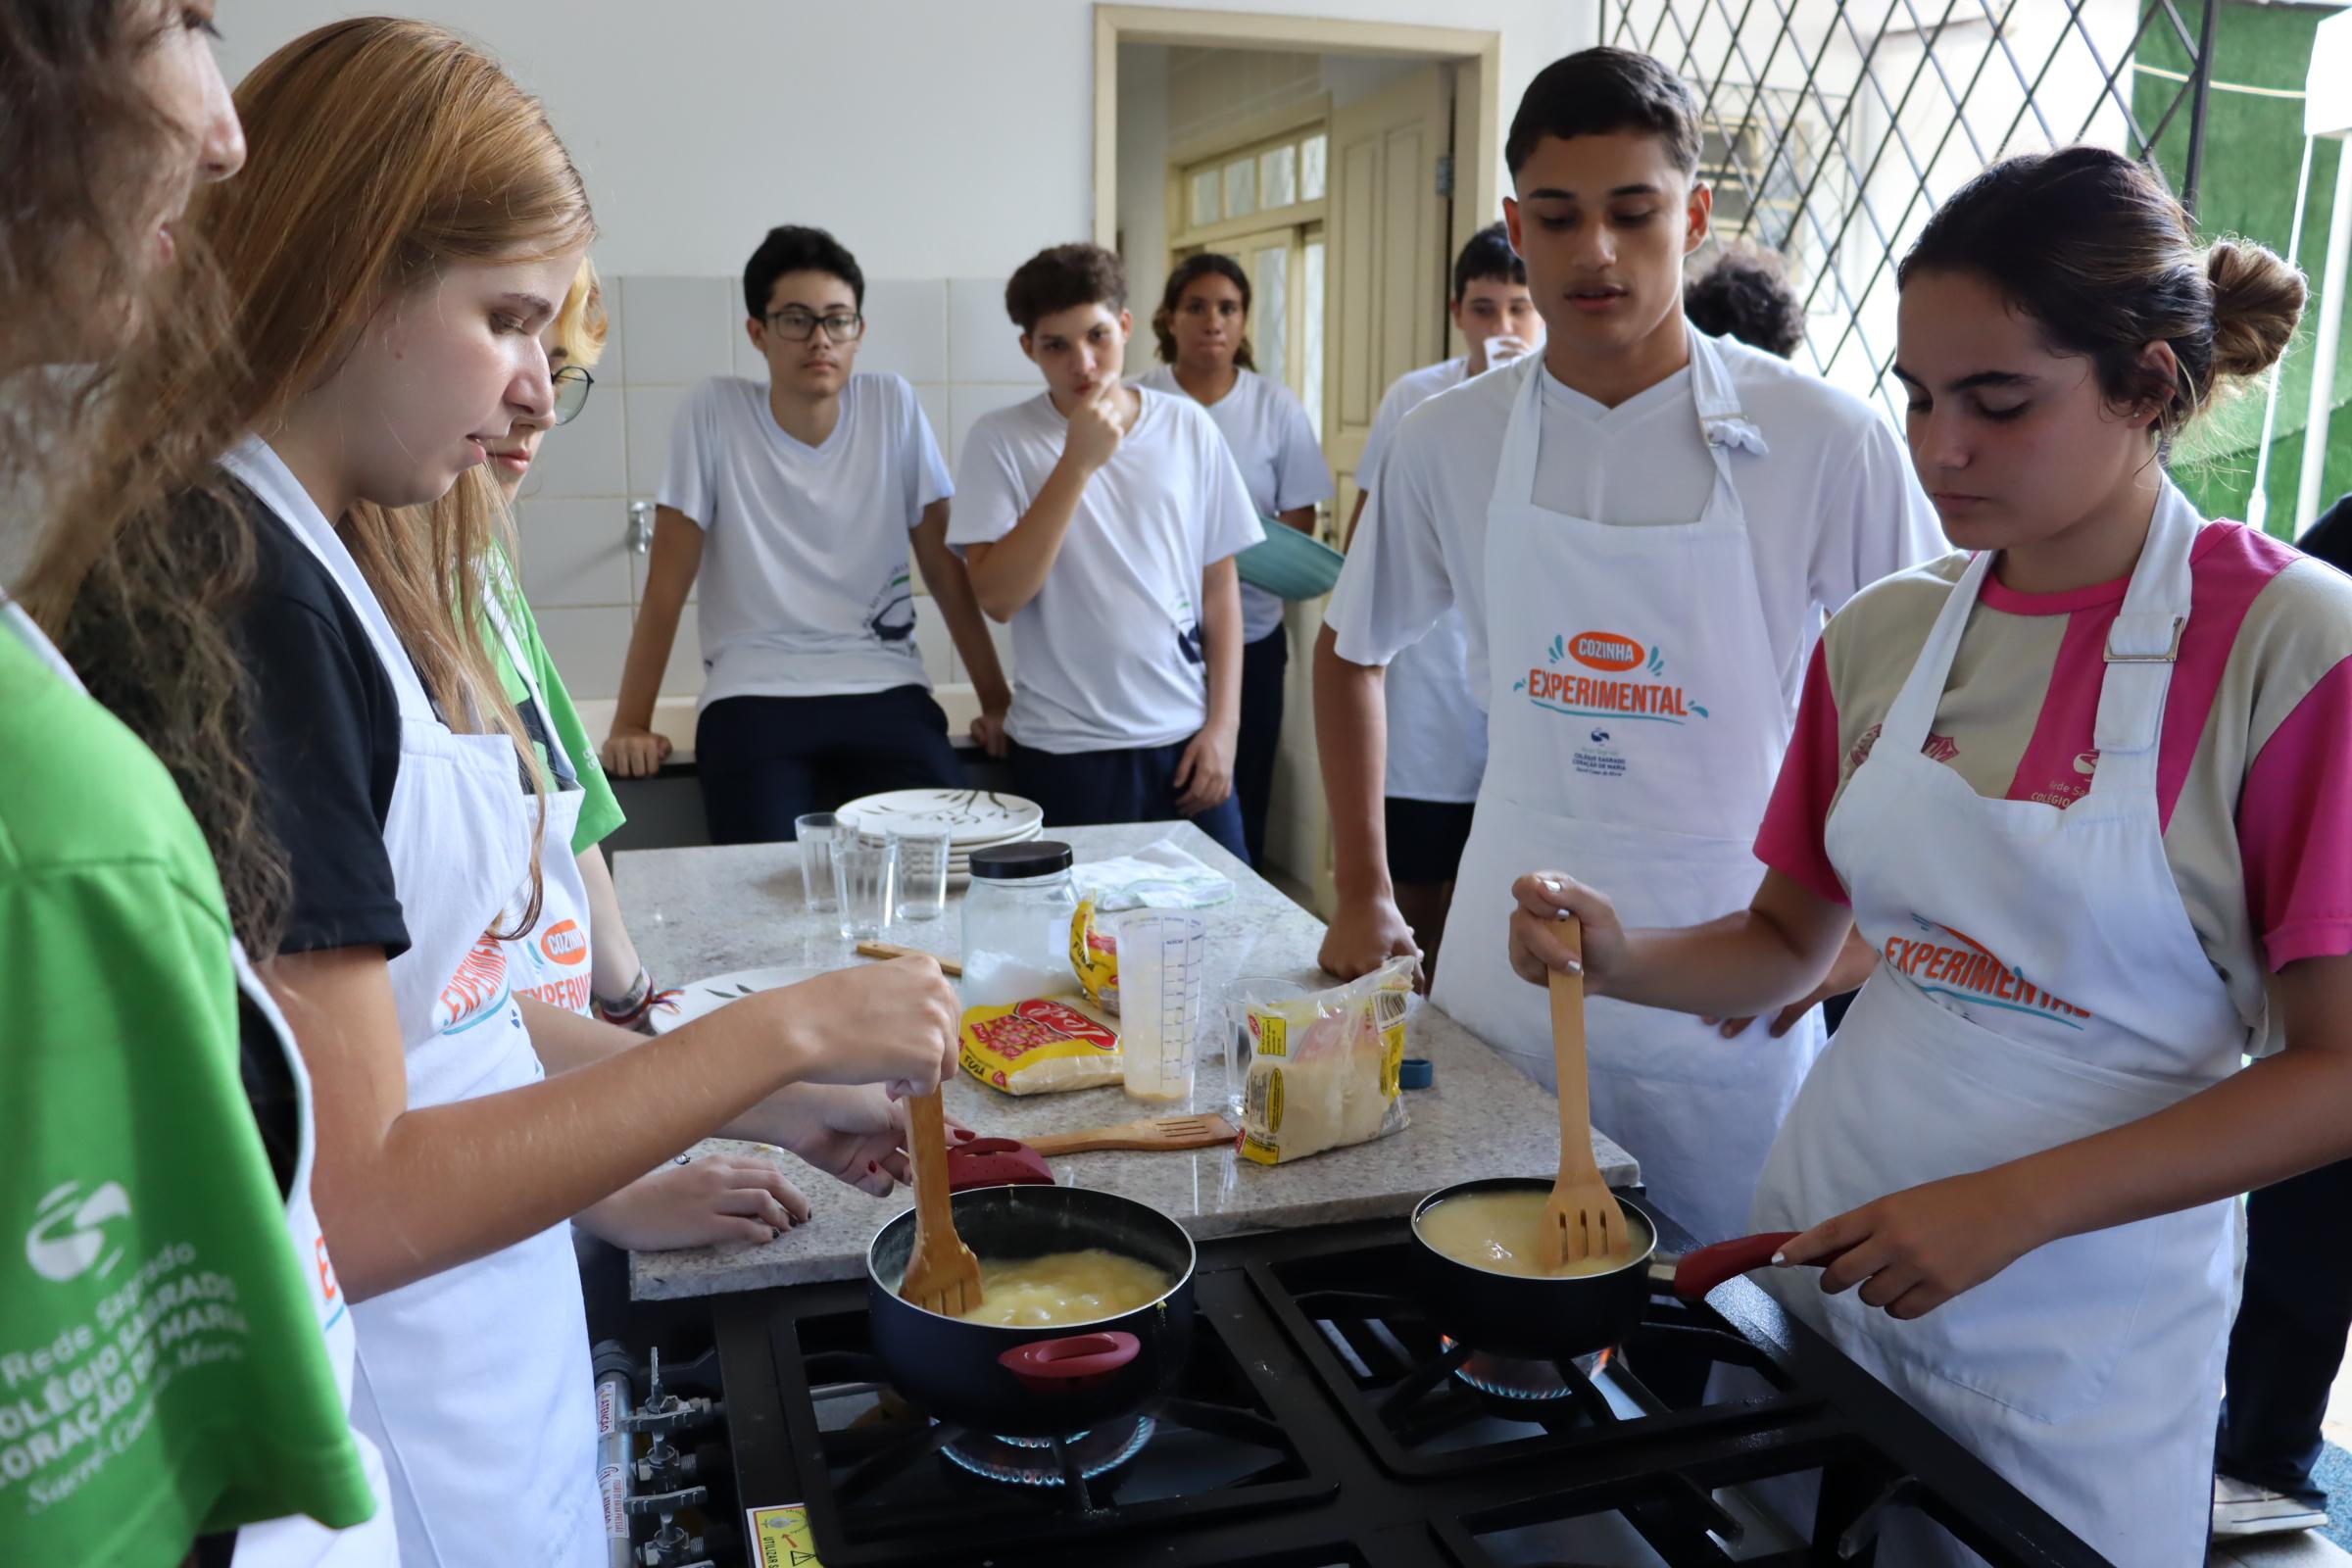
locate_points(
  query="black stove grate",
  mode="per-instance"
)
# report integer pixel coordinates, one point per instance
(1427, 1406)
(1323, 1420)
(883, 1478)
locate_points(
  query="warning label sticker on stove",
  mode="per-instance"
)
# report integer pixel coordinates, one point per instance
(780, 1536)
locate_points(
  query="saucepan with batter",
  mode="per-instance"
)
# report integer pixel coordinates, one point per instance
(1086, 1314)
(1482, 1285)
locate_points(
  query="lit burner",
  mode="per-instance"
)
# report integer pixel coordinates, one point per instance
(1030, 1461)
(1533, 1382)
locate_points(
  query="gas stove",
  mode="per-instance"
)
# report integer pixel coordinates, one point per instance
(1320, 1419)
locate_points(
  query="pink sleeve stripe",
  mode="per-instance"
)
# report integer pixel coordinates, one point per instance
(1793, 840)
(2294, 828)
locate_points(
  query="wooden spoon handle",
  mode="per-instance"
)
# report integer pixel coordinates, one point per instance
(891, 949)
(927, 1146)
(1568, 1058)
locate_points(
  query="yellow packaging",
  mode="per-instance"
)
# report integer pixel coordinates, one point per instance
(1041, 1047)
(1095, 959)
(1323, 1068)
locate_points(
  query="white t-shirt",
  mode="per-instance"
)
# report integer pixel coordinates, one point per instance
(1437, 725)
(1281, 462)
(1099, 656)
(1832, 508)
(806, 586)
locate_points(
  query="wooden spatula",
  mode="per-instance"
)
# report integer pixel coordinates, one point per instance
(942, 1274)
(1582, 1218)
(1167, 1132)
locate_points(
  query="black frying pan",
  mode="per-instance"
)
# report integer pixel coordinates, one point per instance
(1536, 1318)
(1043, 1382)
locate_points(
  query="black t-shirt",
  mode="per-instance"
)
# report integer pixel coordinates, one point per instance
(2331, 538)
(323, 730)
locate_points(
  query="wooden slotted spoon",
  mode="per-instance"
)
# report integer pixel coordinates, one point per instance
(942, 1274)
(1582, 1219)
(1166, 1132)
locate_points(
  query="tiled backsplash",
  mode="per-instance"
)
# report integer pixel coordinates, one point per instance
(949, 337)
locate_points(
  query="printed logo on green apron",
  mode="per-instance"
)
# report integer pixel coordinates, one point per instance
(1604, 679)
(1951, 964)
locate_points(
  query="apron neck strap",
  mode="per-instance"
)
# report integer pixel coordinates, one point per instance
(1908, 721)
(1515, 470)
(1722, 423)
(15, 621)
(262, 472)
(2143, 646)
(498, 582)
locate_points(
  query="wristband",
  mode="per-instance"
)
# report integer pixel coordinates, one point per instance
(629, 1012)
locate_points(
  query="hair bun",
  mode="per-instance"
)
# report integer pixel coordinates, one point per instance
(2257, 301)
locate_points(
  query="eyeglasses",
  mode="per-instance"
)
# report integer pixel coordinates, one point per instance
(799, 327)
(573, 384)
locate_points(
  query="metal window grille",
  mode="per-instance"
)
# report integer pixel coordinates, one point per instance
(1833, 127)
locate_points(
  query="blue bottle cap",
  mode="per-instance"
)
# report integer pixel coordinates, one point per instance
(1415, 1072)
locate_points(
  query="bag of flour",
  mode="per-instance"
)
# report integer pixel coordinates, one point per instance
(1321, 1070)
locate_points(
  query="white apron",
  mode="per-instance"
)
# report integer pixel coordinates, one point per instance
(474, 1382)
(295, 1542)
(1634, 727)
(2041, 983)
(553, 962)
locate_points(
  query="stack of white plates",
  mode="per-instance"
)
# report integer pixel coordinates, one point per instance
(974, 819)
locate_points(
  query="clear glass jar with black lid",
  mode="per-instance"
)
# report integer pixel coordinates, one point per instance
(1017, 923)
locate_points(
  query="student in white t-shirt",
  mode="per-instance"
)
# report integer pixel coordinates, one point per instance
(1100, 521)
(804, 495)
(1203, 328)
(1437, 725)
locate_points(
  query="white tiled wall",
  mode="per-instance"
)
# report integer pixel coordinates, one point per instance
(948, 336)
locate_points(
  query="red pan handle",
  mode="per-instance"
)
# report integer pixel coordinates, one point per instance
(1067, 1365)
(988, 1146)
(1701, 1271)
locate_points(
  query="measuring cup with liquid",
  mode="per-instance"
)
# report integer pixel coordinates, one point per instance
(1162, 976)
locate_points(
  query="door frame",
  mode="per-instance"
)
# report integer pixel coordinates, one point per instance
(1478, 113)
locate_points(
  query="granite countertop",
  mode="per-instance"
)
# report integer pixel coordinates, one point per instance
(699, 912)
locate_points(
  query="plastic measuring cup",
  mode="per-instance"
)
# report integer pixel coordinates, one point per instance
(1162, 974)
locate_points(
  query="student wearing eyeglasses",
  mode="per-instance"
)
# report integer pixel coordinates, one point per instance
(578, 956)
(805, 497)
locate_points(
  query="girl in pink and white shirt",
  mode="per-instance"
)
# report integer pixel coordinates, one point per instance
(2079, 786)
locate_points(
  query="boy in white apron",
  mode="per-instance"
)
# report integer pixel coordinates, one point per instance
(1642, 528)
